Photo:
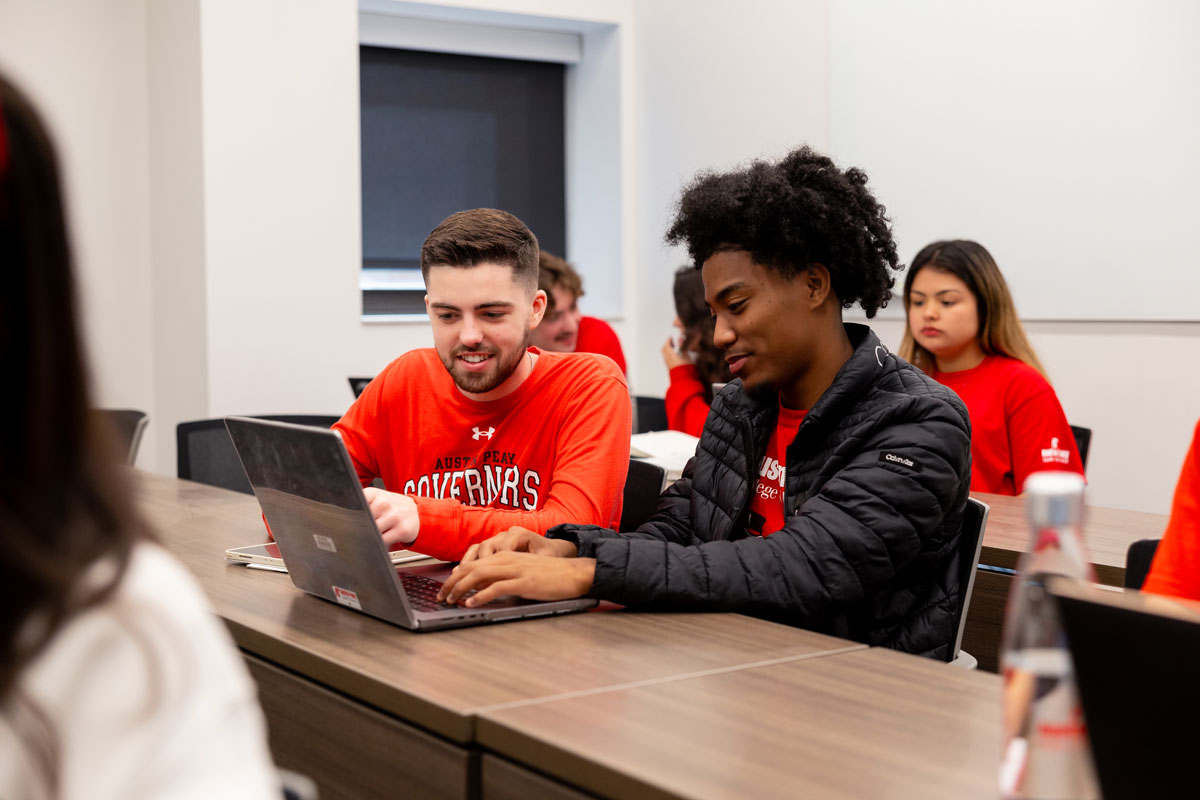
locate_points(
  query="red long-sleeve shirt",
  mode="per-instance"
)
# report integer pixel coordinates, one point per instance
(555, 450)
(686, 407)
(597, 336)
(1176, 567)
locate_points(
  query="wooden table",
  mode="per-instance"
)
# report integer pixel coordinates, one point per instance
(1108, 532)
(865, 724)
(365, 707)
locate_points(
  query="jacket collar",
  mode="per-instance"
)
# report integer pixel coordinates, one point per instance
(855, 378)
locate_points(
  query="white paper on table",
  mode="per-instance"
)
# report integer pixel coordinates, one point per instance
(668, 449)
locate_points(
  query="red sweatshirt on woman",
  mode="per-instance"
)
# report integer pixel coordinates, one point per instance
(1017, 424)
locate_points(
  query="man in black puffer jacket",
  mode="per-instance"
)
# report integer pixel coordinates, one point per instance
(829, 484)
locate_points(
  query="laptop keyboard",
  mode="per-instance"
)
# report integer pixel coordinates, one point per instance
(422, 592)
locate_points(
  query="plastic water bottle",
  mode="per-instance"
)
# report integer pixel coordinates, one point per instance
(1046, 753)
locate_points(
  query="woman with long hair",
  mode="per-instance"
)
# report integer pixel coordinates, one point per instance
(693, 362)
(963, 330)
(116, 680)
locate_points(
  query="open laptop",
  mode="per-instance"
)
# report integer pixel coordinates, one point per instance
(312, 499)
(1137, 666)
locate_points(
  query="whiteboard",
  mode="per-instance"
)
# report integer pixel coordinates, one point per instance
(1063, 136)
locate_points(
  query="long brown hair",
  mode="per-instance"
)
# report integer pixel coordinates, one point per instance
(698, 325)
(64, 503)
(1000, 329)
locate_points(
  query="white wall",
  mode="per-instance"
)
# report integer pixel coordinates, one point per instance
(179, 305)
(212, 159)
(281, 207)
(84, 67)
(1061, 135)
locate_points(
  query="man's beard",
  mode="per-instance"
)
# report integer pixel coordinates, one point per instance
(502, 366)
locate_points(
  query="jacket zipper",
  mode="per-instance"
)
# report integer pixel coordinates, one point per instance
(751, 471)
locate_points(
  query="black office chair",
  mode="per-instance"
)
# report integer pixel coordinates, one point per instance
(206, 453)
(971, 544)
(128, 425)
(1138, 559)
(1083, 438)
(643, 485)
(358, 384)
(649, 414)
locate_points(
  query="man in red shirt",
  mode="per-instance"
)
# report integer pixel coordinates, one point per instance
(498, 433)
(563, 329)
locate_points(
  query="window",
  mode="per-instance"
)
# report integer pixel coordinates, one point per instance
(442, 133)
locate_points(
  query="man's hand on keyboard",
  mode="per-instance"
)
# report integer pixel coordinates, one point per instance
(534, 577)
(520, 540)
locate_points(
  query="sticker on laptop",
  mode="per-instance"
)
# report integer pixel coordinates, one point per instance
(325, 543)
(346, 597)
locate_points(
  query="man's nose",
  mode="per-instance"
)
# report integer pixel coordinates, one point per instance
(471, 333)
(723, 335)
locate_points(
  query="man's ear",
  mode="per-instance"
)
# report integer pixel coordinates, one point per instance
(427, 304)
(539, 308)
(817, 285)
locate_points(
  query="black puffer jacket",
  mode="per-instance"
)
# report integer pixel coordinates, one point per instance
(877, 480)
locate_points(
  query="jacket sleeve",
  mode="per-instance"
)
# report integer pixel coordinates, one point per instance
(686, 408)
(586, 486)
(669, 523)
(851, 539)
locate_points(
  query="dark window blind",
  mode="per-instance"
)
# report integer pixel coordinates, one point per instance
(442, 133)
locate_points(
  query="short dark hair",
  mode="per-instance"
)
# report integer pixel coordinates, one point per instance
(792, 214)
(555, 271)
(482, 235)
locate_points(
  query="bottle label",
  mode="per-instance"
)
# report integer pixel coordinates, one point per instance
(1047, 754)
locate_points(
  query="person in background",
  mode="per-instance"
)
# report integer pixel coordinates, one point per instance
(963, 330)
(1175, 570)
(829, 483)
(694, 363)
(564, 329)
(116, 679)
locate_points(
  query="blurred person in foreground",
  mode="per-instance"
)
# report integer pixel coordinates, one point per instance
(116, 679)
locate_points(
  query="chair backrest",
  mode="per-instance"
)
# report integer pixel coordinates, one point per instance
(1137, 562)
(206, 453)
(649, 414)
(970, 544)
(643, 485)
(358, 384)
(1083, 438)
(128, 425)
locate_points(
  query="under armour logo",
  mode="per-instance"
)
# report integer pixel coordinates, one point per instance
(488, 433)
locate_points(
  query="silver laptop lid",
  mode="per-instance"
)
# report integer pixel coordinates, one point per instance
(314, 503)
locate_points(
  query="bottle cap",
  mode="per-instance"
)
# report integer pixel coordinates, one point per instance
(1054, 499)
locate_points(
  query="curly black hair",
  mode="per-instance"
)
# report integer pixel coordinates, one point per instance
(802, 210)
